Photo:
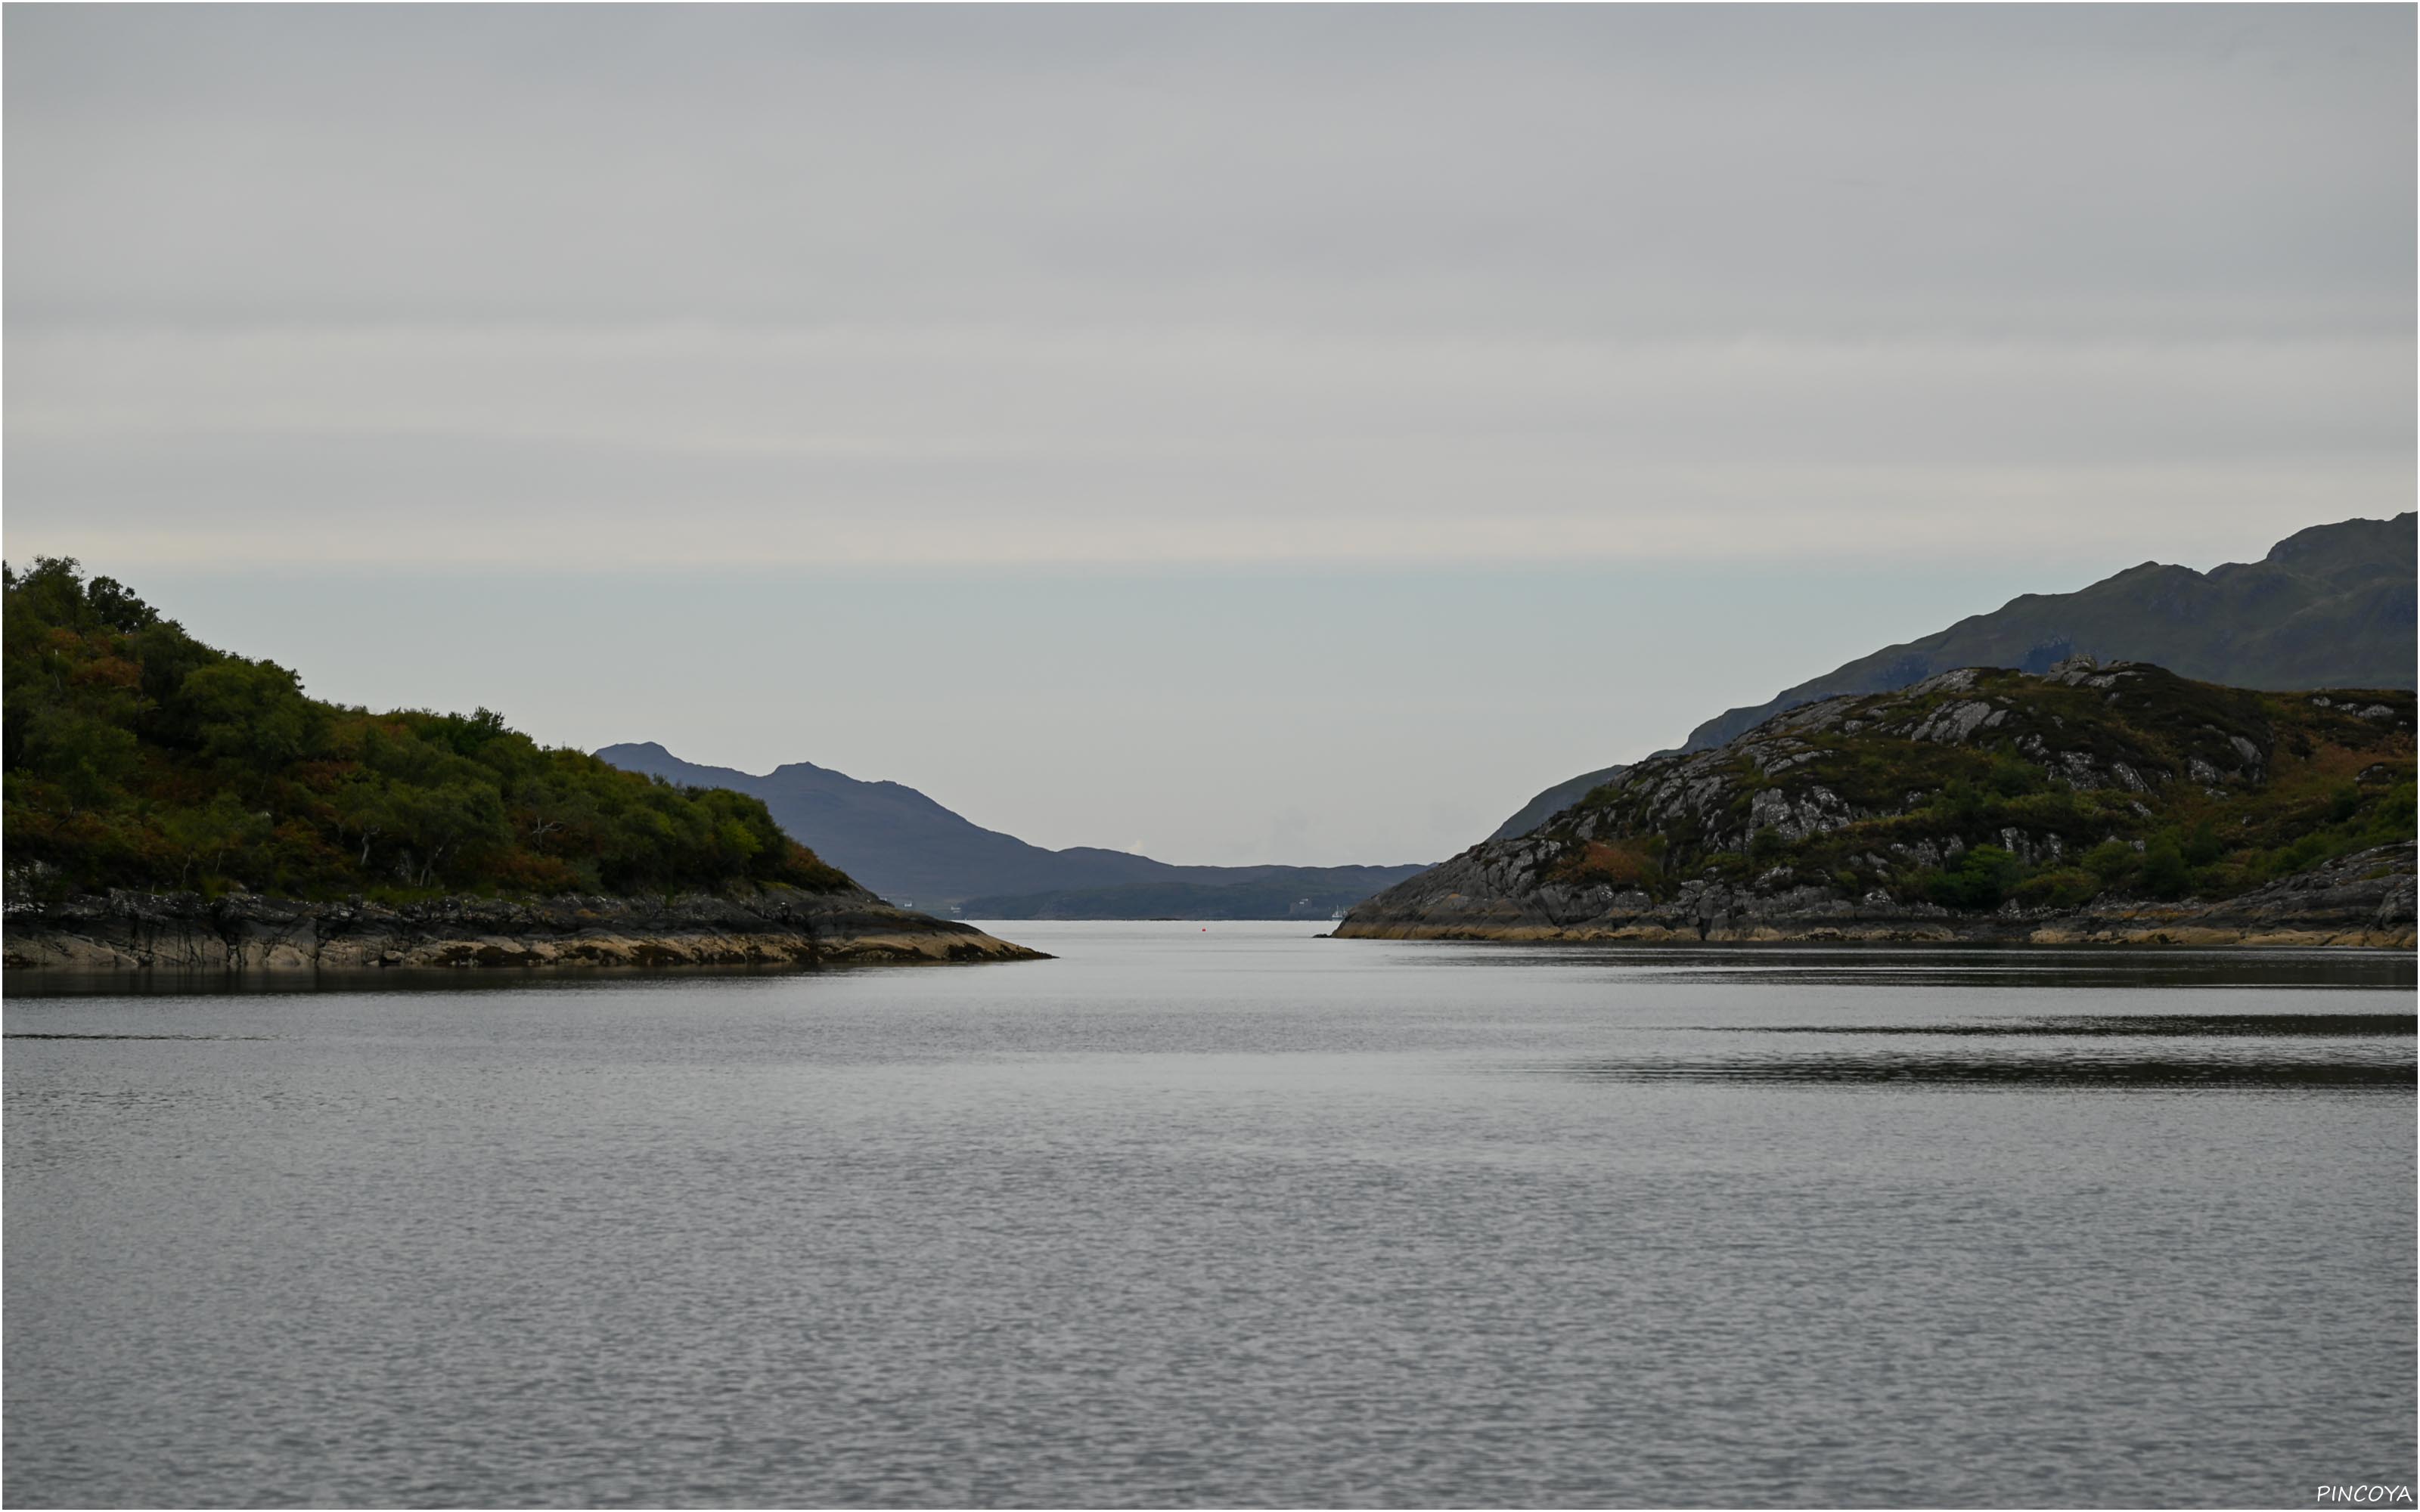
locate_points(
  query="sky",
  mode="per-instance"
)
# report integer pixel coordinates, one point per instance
(1254, 434)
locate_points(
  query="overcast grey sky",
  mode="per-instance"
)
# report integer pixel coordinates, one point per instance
(1222, 430)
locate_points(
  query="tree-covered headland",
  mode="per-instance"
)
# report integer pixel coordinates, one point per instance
(138, 756)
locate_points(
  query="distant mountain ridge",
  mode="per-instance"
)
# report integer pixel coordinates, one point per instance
(1291, 895)
(904, 845)
(2333, 606)
(1555, 800)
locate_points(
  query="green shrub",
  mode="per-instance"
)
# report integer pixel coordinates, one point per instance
(1981, 881)
(2111, 861)
(1960, 805)
(2013, 778)
(2165, 871)
(2069, 888)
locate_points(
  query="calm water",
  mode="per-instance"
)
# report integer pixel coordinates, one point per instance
(1232, 1217)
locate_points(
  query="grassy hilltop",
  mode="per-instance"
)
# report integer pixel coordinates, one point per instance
(137, 757)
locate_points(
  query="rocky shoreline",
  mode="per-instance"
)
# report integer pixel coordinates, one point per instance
(245, 933)
(1490, 893)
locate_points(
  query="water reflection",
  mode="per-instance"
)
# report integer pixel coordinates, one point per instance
(2066, 1052)
(2175, 1072)
(1972, 965)
(2288, 1025)
(399, 980)
(30, 1036)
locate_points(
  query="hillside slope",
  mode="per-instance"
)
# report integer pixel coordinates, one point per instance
(1555, 800)
(2329, 607)
(906, 846)
(2089, 802)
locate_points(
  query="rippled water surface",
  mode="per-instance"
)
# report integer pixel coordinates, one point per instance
(1231, 1217)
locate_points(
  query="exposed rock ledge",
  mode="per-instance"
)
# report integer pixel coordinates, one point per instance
(2361, 899)
(778, 926)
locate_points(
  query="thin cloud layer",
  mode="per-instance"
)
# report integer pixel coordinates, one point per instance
(819, 284)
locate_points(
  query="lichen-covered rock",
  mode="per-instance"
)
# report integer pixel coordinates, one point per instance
(1969, 806)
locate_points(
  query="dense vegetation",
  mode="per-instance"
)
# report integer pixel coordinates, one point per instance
(138, 756)
(2137, 783)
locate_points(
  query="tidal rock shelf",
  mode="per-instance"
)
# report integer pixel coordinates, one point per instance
(246, 933)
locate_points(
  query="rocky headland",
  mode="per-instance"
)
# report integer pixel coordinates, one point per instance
(2117, 804)
(2364, 899)
(125, 931)
(171, 806)
(2330, 605)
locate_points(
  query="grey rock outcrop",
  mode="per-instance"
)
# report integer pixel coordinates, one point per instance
(1846, 818)
(2329, 607)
